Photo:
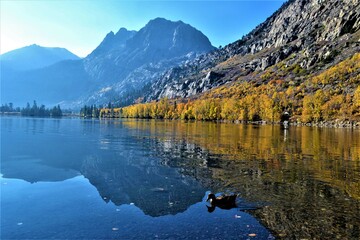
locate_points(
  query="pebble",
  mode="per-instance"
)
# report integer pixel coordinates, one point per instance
(252, 235)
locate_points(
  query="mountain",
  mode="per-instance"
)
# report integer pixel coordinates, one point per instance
(304, 61)
(159, 40)
(312, 35)
(117, 70)
(127, 61)
(34, 57)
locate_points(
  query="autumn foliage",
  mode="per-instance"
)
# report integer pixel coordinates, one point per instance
(332, 94)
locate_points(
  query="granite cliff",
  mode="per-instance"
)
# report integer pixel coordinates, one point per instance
(311, 34)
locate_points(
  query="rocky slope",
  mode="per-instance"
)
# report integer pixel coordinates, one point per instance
(313, 34)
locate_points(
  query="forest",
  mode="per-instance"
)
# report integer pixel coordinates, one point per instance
(32, 111)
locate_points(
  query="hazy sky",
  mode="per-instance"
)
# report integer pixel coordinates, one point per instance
(80, 25)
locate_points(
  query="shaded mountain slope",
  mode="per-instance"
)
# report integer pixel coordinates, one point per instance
(140, 57)
(62, 81)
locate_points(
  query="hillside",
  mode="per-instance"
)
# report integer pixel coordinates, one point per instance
(327, 96)
(309, 29)
(279, 63)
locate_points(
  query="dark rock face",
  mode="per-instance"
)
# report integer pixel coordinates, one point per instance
(310, 31)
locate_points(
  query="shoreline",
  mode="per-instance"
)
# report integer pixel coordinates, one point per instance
(321, 124)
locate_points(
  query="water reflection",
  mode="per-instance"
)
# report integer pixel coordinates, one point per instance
(299, 182)
(156, 189)
(120, 167)
(309, 178)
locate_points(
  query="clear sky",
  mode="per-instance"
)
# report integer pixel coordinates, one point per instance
(80, 25)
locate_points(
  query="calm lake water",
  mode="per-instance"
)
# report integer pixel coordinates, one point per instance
(128, 179)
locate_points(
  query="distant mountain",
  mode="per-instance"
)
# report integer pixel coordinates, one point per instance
(62, 81)
(117, 70)
(34, 57)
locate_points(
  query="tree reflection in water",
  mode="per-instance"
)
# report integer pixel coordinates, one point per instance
(308, 178)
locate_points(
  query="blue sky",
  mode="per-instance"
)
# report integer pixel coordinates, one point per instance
(80, 25)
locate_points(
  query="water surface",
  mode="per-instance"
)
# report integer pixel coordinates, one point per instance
(111, 179)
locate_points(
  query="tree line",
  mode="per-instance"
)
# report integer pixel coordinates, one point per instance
(32, 111)
(92, 111)
(9, 108)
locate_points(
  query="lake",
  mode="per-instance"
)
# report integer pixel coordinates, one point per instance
(137, 179)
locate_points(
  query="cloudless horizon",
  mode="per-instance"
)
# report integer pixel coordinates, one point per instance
(80, 25)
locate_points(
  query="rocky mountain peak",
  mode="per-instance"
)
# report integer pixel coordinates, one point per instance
(122, 30)
(160, 40)
(173, 38)
(112, 42)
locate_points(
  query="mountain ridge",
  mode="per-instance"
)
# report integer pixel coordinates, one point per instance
(122, 63)
(35, 57)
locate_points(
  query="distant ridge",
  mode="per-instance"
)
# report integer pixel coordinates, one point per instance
(35, 57)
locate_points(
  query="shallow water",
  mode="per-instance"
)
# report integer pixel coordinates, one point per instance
(127, 179)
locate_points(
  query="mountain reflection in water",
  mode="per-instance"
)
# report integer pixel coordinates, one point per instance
(117, 165)
(305, 181)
